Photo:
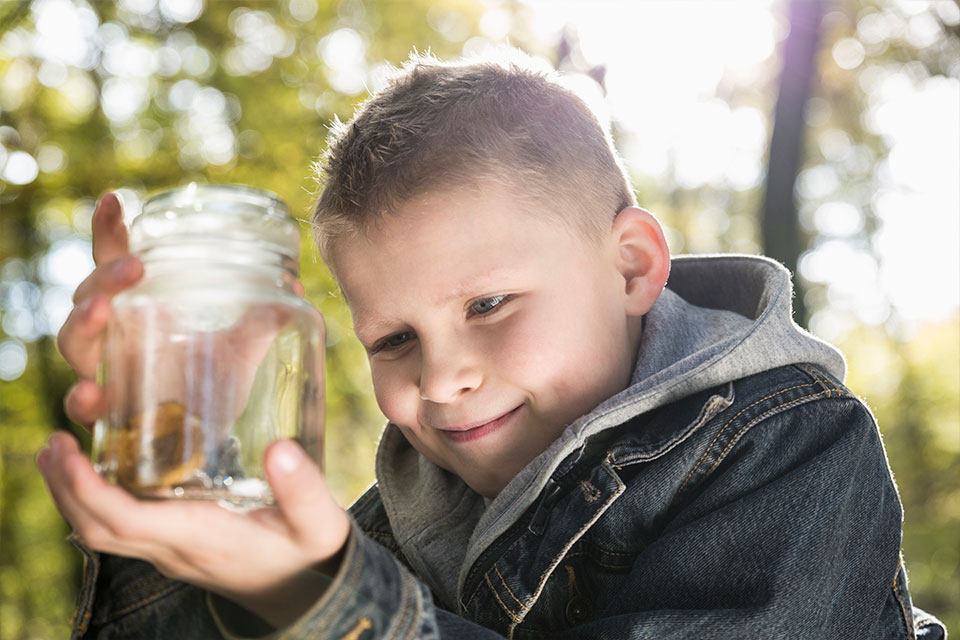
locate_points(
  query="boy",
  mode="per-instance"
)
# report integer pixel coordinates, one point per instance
(573, 450)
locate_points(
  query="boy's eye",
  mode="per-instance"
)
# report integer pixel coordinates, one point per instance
(484, 306)
(395, 341)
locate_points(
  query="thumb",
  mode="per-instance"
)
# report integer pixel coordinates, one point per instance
(304, 499)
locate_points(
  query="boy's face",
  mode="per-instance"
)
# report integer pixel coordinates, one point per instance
(490, 326)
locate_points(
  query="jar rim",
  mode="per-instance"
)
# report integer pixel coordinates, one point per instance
(194, 193)
(198, 213)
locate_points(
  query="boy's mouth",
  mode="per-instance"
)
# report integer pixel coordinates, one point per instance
(475, 430)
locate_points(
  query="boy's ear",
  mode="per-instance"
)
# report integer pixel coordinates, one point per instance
(642, 258)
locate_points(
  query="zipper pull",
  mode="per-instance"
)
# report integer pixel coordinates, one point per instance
(542, 514)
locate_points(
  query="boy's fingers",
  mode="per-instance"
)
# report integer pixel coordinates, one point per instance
(314, 517)
(103, 515)
(109, 232)
(84, 403)
(66, 479)
(79, 340)
(80, 337)
(110, 278)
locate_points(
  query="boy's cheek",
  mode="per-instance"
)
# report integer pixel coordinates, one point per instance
(538, 348)
(396, 396)
(576, 360)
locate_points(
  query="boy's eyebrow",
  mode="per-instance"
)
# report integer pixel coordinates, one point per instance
(491, 282)
(364, 326)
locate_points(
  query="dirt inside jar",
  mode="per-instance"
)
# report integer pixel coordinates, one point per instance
(171, 454)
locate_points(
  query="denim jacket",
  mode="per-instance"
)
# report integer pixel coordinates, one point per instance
(735, 489)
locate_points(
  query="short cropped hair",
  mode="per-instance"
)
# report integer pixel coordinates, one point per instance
(439, 125)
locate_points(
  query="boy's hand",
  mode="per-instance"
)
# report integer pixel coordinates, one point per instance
(275, 561)
(81, 338)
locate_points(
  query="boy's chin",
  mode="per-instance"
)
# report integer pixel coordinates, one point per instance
(489, 485)
(488, 490)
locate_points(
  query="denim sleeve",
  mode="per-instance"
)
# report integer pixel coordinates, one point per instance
(127, 599)
(794, 532)
(373, 596)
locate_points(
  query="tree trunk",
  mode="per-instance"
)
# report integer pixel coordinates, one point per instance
(782, 236)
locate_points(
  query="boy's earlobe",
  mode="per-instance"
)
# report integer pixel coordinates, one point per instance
(643, 258)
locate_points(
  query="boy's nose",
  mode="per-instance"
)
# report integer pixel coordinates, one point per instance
(445, 376)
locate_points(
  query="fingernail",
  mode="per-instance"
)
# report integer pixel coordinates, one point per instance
(287, 457)
(110, 195)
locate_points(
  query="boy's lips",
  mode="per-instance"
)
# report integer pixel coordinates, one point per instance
(474, 430)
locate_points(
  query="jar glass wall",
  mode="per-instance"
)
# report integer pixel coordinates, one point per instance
(212, 355)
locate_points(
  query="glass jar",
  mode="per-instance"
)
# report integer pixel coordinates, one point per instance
(212, 355)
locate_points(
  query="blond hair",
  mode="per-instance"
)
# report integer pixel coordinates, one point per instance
(444, 124)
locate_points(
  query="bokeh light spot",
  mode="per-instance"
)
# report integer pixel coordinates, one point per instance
(302, 10)
(20, 168)
(182, 11)
(50, 158)
(13, 359)
(848, 53)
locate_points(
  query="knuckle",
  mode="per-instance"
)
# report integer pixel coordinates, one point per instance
(80, 292)
(93, 536)
(70, 402)
(61, 341)
(123, 529)
(65, 333)
(80, 415)
(169, 566)
(75, 483)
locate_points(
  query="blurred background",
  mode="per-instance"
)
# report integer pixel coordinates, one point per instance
(823, 133)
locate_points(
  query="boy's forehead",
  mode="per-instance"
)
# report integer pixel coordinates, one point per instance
(448, 245)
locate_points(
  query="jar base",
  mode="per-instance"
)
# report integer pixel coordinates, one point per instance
(246, 494)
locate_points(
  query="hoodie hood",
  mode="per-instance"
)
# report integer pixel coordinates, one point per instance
(719, 319)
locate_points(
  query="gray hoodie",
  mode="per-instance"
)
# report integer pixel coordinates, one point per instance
(719, 319)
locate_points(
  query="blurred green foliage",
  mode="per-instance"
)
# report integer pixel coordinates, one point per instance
(244, 92)
(913, 388)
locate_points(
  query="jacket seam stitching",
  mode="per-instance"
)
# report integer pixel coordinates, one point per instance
(814, 374)
(765, 414)
(821, 377)
(729, 422)
(541, 583)
(579, 533)
(496, 595)
(523, 605)
(713, 406)
(512, 547)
